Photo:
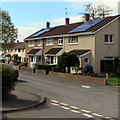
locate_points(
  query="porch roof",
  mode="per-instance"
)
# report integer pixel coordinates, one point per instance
(53, 51)
(78, 52)
(34, 51)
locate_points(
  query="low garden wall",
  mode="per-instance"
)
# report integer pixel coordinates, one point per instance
(90, 79)
(82, 78)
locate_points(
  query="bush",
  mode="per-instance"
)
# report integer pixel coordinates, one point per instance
(88, 69)
(8, 80)
(45, 67)
(25, 63)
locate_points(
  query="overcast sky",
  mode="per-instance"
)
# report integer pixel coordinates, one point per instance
(29, 16)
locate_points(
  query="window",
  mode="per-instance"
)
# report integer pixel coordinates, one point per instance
(31, 43)
(60, 41)
(22, 50)
(39, 42)
(49, 42)
(73, 40)
(19, 50)
(108, 38)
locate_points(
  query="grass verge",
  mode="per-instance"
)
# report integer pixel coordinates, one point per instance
(114, 81)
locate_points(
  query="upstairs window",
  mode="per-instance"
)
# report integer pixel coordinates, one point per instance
(108, 38)
(31, 43)
(73, 40)
(19, 50)
(60, 41)
(39, 43)
(49, 42)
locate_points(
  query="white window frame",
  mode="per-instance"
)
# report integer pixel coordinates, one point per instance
(49, 40)
(39, 43)
(108, 39)
(31, 43)
(55, 60)
(60, 41)
(70, 41)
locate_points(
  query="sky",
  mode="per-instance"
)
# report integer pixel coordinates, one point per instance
(30, 16)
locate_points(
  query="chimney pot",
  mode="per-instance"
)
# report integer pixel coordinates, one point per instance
(48, 25)
(87, 17)
(67, 21)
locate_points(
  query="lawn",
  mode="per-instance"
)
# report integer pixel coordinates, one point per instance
(114, 81)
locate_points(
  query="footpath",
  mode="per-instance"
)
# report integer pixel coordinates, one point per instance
(19, 100)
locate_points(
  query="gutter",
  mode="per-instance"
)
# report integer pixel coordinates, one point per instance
(65, 35)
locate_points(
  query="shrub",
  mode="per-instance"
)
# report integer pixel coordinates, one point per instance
(25, 63)
(88, 69)
(8, 80)
(45, 67)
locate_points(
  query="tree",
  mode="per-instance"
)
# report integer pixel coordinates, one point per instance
(68, 60)
(8, 31)
(99, 11)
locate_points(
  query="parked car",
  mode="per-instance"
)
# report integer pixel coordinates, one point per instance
(15, 71)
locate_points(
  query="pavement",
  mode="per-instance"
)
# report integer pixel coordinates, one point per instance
(20, 99)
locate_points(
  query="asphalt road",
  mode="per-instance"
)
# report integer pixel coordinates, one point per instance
(68, 98)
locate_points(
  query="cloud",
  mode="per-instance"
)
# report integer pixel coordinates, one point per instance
(61, 21)
(24, 32)
(80, 5)
(36, 23)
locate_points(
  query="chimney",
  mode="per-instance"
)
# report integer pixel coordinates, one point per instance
(48, 25)
(87, 17)
(67, 21)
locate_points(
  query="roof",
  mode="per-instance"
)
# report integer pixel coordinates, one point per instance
(78, 52)
(53, 51)
(33, 51)
(65, 29)
(19, 45)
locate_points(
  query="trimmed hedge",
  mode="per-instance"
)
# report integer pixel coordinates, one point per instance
(25, 63)
(8, 80)
(45, 67)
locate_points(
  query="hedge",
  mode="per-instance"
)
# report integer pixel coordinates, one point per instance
(8, 80)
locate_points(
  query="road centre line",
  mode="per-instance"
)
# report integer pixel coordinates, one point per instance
(55, 101)
(64, 104)
(97, 114)
(90, 116)
(55, 104)
(65, 107)
(74, 107)
(75, 111)
(85, 111)
(85, 86)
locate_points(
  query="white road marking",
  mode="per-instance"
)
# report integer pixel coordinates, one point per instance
(74, 107)
(65, 107)
(55, 101)
(107, 117)
(55, 104)
(85, 86)
(97, 114)
(75, 111)
(90, 116)
(86, 111)
(64, 104)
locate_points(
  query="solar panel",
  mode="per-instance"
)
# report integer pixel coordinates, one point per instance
(42, 31)
(85, 26)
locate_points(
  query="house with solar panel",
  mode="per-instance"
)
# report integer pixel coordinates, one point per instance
(95, 42)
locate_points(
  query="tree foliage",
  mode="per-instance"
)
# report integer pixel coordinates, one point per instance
(68, 60)
(8, 32)
(99, 11)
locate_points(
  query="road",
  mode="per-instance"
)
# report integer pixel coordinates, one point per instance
(68, 98)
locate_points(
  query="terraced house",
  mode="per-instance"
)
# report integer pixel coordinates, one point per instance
(95, 42)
